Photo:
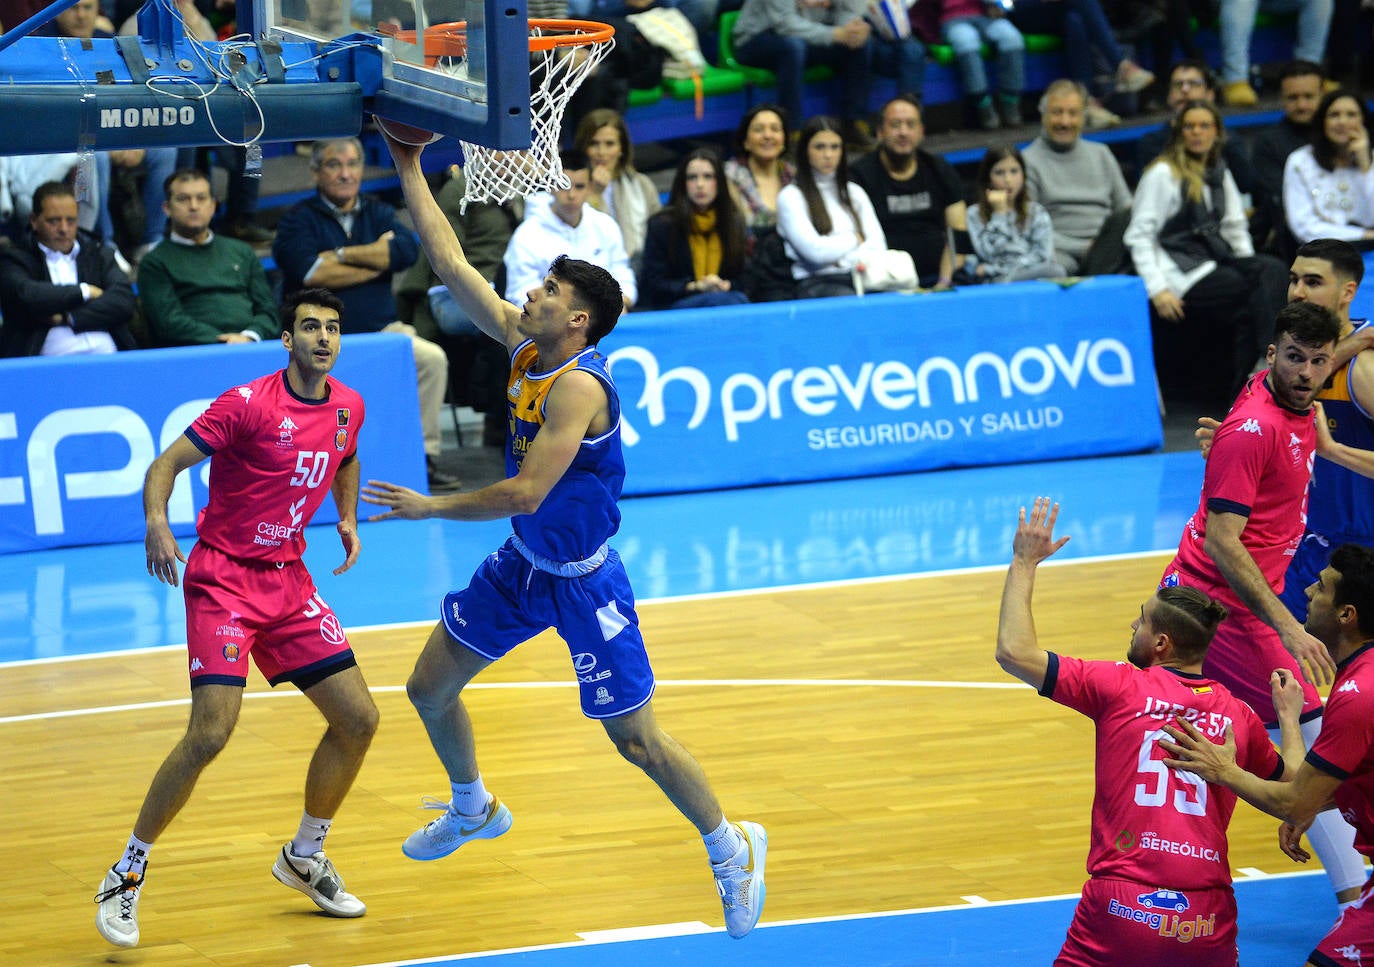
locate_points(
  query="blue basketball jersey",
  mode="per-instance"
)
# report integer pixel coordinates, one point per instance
(1340, 505)
(580, 513)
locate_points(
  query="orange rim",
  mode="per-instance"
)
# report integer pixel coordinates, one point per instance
(450, 39)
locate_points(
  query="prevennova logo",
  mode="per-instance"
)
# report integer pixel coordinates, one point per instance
(890, 384)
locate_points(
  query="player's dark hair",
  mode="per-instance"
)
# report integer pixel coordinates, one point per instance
(1356, 585)
(574, 159)
(182, 174)
(595, 291)
(1299, 68)
(1189, 618)
(1307, 324)
(1344, 257)
(308, 297)
(50, 189)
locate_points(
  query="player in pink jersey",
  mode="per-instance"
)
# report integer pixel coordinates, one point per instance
(1339, 770)
(280, 444)
(1160, 884)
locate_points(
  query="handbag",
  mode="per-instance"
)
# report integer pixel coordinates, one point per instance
(890, 270)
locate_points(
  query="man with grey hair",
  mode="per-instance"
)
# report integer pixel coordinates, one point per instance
(351, 244)
(1079, 183)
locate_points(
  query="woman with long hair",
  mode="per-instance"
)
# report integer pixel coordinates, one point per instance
(616, 187)
(826, 220)
(1213, 299)
(1328, 186)
(760, 168)
(1011, 234)
(695, 248)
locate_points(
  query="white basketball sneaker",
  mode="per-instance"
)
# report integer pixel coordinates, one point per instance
(117, 915)
(451, 830)
(739, 881)
(316, 877)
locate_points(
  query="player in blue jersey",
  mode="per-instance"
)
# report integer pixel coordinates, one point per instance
(1340, 502)
(564, 474)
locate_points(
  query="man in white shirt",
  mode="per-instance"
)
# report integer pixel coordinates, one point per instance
(61, 291)
(564, 224)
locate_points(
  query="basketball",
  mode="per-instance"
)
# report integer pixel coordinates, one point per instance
(405, 133)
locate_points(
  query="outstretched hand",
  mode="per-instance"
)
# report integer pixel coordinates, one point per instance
(1034, 540)
(401, 153)
(401, 502)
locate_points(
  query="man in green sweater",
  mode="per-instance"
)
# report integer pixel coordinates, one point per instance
(197, 287)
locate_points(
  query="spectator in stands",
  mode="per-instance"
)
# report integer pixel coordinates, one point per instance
(149, 168)
(1087, 39)
(786, 37)
(351, 244)
(1237, 27)
(1213, 299)
(968, 24)
(61, 291)
(21, 175)
(702, 13)
(1328, 186)
(760, 168)
(1300, 88)
(1192, 80)
(826, 220)
(562, 224)
(616, 187)
(1079, 183)
(1011, 235)
(197, 287)
(694, 254)
(916, 195)
(1163, 27)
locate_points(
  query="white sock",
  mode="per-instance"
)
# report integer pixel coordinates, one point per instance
(723, 842)
(470, 798)
(310, 836)
(135, 858)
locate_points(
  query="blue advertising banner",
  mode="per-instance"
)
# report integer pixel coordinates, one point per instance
(77, 434)
(891, 383)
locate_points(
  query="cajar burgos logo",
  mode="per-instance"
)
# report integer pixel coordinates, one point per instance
(877, 402)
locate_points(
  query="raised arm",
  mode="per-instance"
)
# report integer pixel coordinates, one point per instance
(493, 315)
(1018, 650)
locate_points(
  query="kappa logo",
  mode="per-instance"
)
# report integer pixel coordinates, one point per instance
(1350, 686)
(196, 665)
(1293, 439)
(246, 393)
(287, 425)
(1351, 953)
(1251, 426)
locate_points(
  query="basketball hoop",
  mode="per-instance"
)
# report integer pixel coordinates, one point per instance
(562, 54)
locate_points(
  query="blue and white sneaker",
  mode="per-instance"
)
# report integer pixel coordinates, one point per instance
(451, 830)
(739, 880)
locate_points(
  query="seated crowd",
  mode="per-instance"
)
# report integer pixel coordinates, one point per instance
(786, 215)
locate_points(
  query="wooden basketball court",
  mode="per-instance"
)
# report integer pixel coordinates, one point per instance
(866, 725)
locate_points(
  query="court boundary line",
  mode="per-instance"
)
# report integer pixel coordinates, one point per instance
(842, 918)
(651, 602)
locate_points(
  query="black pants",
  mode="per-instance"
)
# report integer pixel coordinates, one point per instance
(1227, 325)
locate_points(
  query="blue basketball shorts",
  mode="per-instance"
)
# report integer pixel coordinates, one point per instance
(509, 601)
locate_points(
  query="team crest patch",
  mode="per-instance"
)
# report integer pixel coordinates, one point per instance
(340, 439)
(342, 415)
(231, 652)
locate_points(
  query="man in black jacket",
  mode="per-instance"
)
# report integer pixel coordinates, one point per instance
(61, 292)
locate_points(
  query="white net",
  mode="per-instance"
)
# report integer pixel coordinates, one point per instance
(497, 176)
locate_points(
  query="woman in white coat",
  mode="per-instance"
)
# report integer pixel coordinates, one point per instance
(826, 221)
(1213, 300)
(1328, 186)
